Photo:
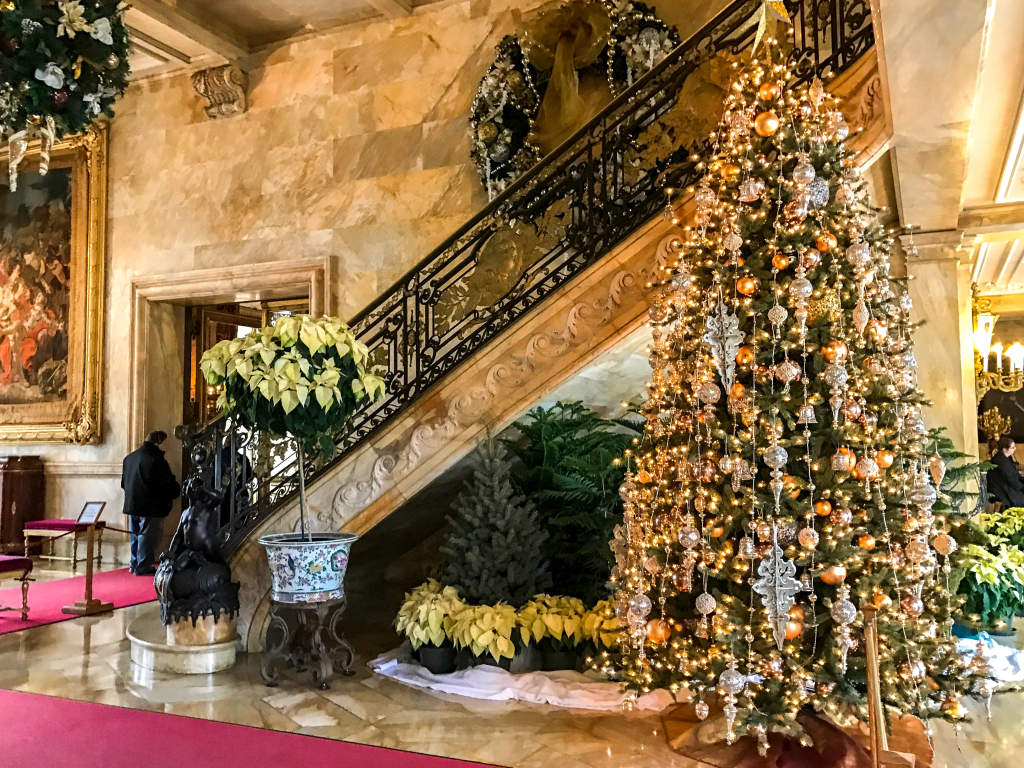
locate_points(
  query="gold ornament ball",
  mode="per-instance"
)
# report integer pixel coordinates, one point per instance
(826, 241)
(716, 532)
(881, 600)
(112, 61)
(884, 458)
(487, 132)
(823, 508)
(766, 124)
(835, 351)
(730, 171)
(658, 631)
(944, 544)
(769, 91)
(877, 330)
(744, 355)
(737, 390)
(834, 575)
(746, 285)
(796, 613)
(780, 260)
(866, 542)
(794, 629)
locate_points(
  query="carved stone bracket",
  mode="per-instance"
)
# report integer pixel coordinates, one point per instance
(224, 88)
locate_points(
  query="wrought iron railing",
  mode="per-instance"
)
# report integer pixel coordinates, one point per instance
(553, 222)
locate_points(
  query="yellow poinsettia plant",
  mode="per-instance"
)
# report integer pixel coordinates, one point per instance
(426, 612)
(302, 377)
(552, 618)
(485, 629)
(601, 626)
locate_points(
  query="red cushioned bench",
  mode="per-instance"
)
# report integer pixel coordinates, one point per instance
(61, 527)
(17, 569)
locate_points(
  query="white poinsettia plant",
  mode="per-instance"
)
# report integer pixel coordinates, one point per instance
(302, 377)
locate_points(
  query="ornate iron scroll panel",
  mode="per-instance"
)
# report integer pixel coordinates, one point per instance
(552, 223)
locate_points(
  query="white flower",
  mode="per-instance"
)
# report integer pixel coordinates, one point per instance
(92, 102)
(101, 31)
(52, 75)
(72, 18)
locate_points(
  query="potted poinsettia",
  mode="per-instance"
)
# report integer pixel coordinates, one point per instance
(425, 618)
(302, 378)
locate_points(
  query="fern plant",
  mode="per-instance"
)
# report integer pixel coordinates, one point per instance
(571, 470)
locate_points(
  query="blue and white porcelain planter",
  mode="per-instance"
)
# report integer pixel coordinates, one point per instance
(307, 569)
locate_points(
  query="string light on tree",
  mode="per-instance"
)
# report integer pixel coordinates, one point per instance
(782, 483)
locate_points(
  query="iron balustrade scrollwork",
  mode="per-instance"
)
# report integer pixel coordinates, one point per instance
(553, 222)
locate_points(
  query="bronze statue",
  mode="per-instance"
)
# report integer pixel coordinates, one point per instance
(194, 579)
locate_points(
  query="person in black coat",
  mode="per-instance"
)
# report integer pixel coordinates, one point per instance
(150, 489)
(1005, 483)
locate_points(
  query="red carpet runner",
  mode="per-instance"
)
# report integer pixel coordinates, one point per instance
(46, 598)
(43, 732)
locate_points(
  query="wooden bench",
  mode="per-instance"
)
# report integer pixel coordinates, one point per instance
(61, 527)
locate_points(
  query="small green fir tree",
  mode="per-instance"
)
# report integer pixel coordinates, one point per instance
(494, 552)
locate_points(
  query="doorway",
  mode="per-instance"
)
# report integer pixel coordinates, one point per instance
(205, 326)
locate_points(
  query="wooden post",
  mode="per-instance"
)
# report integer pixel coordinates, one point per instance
(88, 605)
(880, 754)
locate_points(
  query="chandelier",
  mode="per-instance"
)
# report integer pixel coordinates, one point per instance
(995, 367)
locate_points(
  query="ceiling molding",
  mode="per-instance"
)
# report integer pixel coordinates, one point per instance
(211, 36)
(992, 218)
(392, 9)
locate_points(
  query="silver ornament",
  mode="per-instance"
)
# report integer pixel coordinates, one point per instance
(705, 603)
(775, 456)
(808, 538)
(640, 605)
(777, 587)
(817, 192)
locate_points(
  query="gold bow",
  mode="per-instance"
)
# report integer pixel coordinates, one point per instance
(565, 37)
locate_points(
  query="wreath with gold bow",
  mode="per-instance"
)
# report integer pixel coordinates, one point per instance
(570, 59)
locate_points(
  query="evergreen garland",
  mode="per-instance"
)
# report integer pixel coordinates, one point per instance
(495, 551)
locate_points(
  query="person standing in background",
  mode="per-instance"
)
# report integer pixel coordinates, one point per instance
(150, 489)
(1005, 483)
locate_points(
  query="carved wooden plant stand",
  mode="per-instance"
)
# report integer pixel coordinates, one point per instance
(313, 641)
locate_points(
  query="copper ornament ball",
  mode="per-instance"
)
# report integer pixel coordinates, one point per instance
(823, 508)
(794, 629)
(811, 258)
(834, 575)
(769, 91)
(658, 631)
(866, 542)
(781, 261)
(766, 124)
(744, 355)
(884, 458)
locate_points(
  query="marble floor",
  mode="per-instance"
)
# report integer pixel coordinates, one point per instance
(87, 659)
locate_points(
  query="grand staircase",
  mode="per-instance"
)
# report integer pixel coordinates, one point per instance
(544, 279)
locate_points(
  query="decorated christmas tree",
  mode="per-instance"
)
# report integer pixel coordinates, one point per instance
(782, 486)
(495, 551)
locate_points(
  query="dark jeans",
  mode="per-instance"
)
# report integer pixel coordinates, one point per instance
(145, 537)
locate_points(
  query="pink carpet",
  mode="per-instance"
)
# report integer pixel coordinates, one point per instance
(43, 731)
(46, 598)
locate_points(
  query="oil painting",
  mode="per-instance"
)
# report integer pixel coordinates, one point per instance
(51, 294)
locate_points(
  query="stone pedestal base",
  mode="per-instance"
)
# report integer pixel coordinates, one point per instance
(205, 631)
(150, 650)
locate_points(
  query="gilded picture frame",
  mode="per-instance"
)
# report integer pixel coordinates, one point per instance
(52, 293)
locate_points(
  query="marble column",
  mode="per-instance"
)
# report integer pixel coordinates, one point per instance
(939, 267)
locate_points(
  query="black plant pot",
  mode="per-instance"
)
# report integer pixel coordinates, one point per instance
(552, 661)
(464, 659)
(440, 660)
(527, 659)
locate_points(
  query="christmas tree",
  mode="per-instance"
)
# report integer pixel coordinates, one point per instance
(782, 486)
(494, 552)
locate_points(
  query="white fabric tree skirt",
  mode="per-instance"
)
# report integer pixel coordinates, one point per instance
(562, 689)
(574, 690)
